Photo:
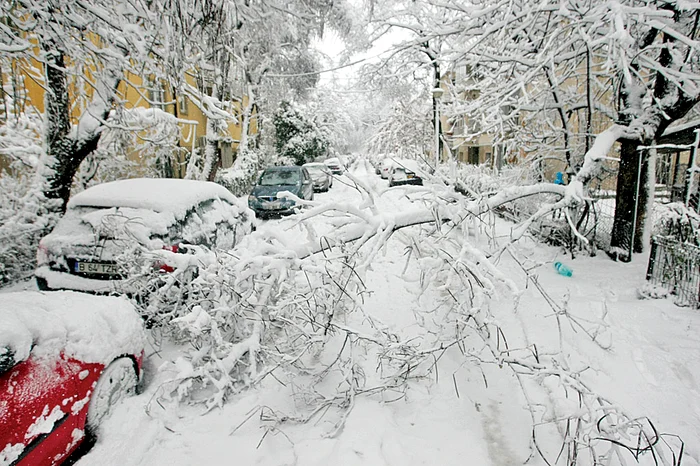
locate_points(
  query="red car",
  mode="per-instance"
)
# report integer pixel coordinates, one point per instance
(65, 359)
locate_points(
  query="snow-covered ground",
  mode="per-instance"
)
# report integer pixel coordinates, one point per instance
(641, 355)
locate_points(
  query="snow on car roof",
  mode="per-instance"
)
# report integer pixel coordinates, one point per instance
(158, 194)
(283, 168)
(92, 329)
(406, 163)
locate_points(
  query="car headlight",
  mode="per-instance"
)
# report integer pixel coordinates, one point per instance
(252, 198)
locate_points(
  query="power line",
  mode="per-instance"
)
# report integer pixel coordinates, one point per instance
(340, 67)
(313, 73)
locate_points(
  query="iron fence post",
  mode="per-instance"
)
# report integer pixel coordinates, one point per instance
(652, 259)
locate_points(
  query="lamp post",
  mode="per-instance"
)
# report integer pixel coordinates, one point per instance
(437, 93)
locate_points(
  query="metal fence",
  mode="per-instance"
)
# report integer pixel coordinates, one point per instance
(676, 265)
(602, 190)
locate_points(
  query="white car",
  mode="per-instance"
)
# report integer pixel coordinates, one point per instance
(386, 167)
(405, 172)
(109, 230)
(335, 165)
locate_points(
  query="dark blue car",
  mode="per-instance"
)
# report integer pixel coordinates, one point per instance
(263, 199)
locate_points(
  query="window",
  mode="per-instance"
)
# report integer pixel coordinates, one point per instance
(474, 155)
(458, 127)
(182, 103)
(156, 94)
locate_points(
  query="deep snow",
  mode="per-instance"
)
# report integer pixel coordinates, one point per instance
(646, 360)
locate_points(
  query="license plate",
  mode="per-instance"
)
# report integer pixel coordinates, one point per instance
(96, 268)
(272, 205)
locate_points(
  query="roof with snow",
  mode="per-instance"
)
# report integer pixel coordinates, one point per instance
(692, 125)
(684, 134)
(158, 194)
(93, 329)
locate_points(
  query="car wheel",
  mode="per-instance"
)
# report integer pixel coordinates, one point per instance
(42, 284)
(117, 381)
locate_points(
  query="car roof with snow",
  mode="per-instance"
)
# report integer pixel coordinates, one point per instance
(407, 164)
(283, 168)
(157, 194)
(92, 329)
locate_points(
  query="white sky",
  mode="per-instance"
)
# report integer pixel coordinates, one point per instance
(332, 46)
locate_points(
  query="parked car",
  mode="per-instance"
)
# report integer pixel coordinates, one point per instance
(105, 236)
(377, 164)
(386, 166)
(264, 198)
(405, 172)
(335, 165)
(66, 359)
(321, 176)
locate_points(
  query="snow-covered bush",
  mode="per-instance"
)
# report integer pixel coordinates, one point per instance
(20, 139)
(24, 212)
(297, 135)
(24, 220)
(677, 221)
(240, 178)
(482, 181)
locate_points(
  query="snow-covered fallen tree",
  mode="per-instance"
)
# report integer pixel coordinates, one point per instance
(293, 310)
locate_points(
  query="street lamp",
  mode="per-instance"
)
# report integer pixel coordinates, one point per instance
(437, 93)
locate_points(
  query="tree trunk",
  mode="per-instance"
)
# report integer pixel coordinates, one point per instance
(64, 150)
(245, 122)
(59, 145)
(629, 192)
(212, 151)
(436, 111)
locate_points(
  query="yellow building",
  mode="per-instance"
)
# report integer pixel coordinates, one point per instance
(26, 79)
(481, 149)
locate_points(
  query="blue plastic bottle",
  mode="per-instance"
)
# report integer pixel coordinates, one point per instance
(562, 269)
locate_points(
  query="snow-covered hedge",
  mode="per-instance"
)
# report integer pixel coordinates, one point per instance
(677, 221)
(24, 220)
(241, 177)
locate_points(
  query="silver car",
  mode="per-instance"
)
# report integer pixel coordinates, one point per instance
(115, 231)
(321, 176)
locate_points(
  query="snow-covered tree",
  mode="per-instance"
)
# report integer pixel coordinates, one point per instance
(551, 76)
(99, 41)
(407, 131)
(297, 135)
